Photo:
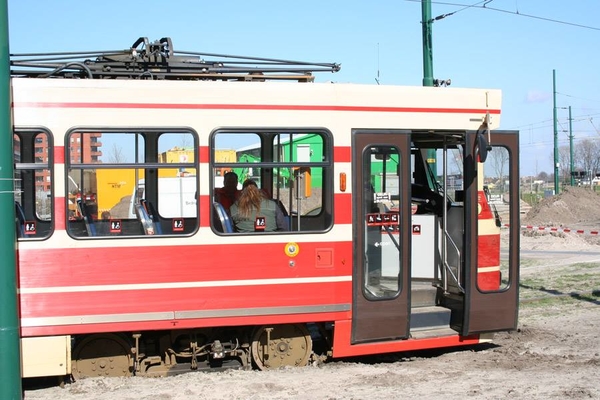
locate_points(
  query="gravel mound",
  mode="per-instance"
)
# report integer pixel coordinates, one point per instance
(575, 206)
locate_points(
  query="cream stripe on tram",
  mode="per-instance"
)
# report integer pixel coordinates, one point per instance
(185, 285)
(203, 237)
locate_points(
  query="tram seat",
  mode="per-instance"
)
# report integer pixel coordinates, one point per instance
(153, 215)
(87, 218)
(286, 216)
(20, 220)
(221, 215)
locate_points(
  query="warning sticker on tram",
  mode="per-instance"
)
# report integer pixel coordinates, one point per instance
(382, 197)
(382, 219)
(177, 224)
(30, 228)
(115, 226)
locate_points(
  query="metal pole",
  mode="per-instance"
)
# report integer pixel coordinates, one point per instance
(427, 43)
(10, 361)
(571, 147)
(427, 23)
(556, 164)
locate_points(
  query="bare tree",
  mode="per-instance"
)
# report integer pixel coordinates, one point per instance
(543, 176)
(498, 160)
(186, 140)
(587, 155)
(116, 154)
(564, 161)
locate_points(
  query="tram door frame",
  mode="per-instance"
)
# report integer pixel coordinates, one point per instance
(386, 318)
(489, 311)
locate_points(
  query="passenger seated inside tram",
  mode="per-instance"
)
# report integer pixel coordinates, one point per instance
(255, 212)
(104, 224)
(229, 193)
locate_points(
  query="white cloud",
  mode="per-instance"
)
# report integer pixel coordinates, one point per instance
(537, 96)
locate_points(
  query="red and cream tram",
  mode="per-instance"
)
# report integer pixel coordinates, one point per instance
(127, 264)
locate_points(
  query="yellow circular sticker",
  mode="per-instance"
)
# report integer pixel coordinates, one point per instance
(292, 249)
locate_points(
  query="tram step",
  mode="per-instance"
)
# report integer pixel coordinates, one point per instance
(422, 318)
(423, 294)
(431, 333)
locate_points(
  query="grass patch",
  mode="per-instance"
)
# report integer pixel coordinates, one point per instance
(529, 262)
(559, 286)
(550, 302)
(547, 302)
(585, 266)
(577, 282)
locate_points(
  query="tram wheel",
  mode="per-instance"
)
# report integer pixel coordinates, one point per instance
(101, 355)
(281, 346)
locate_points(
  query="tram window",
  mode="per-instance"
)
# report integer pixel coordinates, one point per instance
(292, 168)
(33, 150)
(454, 174)
(493, 263)
(381, 183)
(132, 183)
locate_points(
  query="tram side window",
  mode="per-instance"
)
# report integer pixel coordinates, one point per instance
(33, 151)
(493, 273)
(139, 183)
(292, 169)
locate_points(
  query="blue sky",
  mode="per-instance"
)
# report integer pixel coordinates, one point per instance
(514, 50)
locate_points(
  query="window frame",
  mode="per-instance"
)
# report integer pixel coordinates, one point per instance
(151, 162)
(267, 139)
(32, 165)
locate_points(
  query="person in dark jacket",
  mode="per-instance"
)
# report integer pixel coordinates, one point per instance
(229, 193)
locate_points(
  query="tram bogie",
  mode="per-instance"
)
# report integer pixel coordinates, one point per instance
(165, 353)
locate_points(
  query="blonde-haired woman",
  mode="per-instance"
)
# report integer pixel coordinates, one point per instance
(254, 212)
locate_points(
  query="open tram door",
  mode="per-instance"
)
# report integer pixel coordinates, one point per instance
(491, 278)
(381, 198)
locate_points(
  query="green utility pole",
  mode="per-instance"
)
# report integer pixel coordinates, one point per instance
(10, 361)
(571, 147)
(427, 22)
(556, 164)
(427, 43)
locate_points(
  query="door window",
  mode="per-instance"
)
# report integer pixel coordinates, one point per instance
(493, 272)
(381, 183)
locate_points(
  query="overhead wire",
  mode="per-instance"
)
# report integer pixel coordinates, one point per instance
(485, 7)
(546, 123)
(462, 9)
(575, 97)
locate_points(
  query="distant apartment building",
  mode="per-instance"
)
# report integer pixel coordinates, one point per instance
(83, 149)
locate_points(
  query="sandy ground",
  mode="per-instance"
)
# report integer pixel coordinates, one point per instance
(555, 353)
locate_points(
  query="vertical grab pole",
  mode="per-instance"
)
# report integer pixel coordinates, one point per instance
(10, 362)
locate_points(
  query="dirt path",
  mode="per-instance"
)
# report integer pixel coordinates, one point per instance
(555, 354)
